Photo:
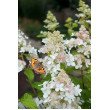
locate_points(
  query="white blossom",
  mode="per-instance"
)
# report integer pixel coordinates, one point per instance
(77, 90)
(60, 92)
(23, 45)
(70, 60)
(87, 62)
(69, 43)
(21, 65)
(59, 87)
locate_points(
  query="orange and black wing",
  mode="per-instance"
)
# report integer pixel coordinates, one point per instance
(33, 62)
(37, 66)
(39, 70)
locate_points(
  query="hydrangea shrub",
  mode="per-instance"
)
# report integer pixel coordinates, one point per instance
(67, 79)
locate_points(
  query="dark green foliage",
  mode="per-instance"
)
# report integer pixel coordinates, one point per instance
(37, 85)
(68, 69)
(38, 8)
(32, 8)
(46, 78)
(86, 96)
(32, 30)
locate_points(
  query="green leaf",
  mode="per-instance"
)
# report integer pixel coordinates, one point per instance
(28, 101)
(75, 25)
(39, 93)
(68, 69)
(70, 31)
(37, 85)
(69, 19)
(76, 80)
(29, 73)
(46, 78)
(67, 25)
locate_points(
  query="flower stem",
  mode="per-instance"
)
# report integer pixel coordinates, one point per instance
(82, 78)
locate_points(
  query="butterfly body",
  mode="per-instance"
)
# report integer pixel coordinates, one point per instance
(37, 66)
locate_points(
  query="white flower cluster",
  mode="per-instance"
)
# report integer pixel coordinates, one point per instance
(83, 35)
(21, 39)
(53, 42)
(58, 52)
(84, 10)
(61, 93)
(23, 45)
(84, 15)
(51, 22)
(82, 43)
(85, 49)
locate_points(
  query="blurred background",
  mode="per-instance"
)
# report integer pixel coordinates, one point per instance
(32, 13)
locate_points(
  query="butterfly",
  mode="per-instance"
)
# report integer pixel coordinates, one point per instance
(37, 66)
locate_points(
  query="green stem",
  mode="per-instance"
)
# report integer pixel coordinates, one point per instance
(82, 78)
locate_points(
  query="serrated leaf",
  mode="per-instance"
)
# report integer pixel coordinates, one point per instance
(29, 73)
(28, 101)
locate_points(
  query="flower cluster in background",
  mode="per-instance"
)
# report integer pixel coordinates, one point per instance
(23, 45)
(82, 43)
(84, 15)
(61, 90)
(84, 10)
(51, 22)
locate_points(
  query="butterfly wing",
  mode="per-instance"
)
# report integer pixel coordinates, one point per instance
(40, 70)
(37, 66)
(33, 62)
